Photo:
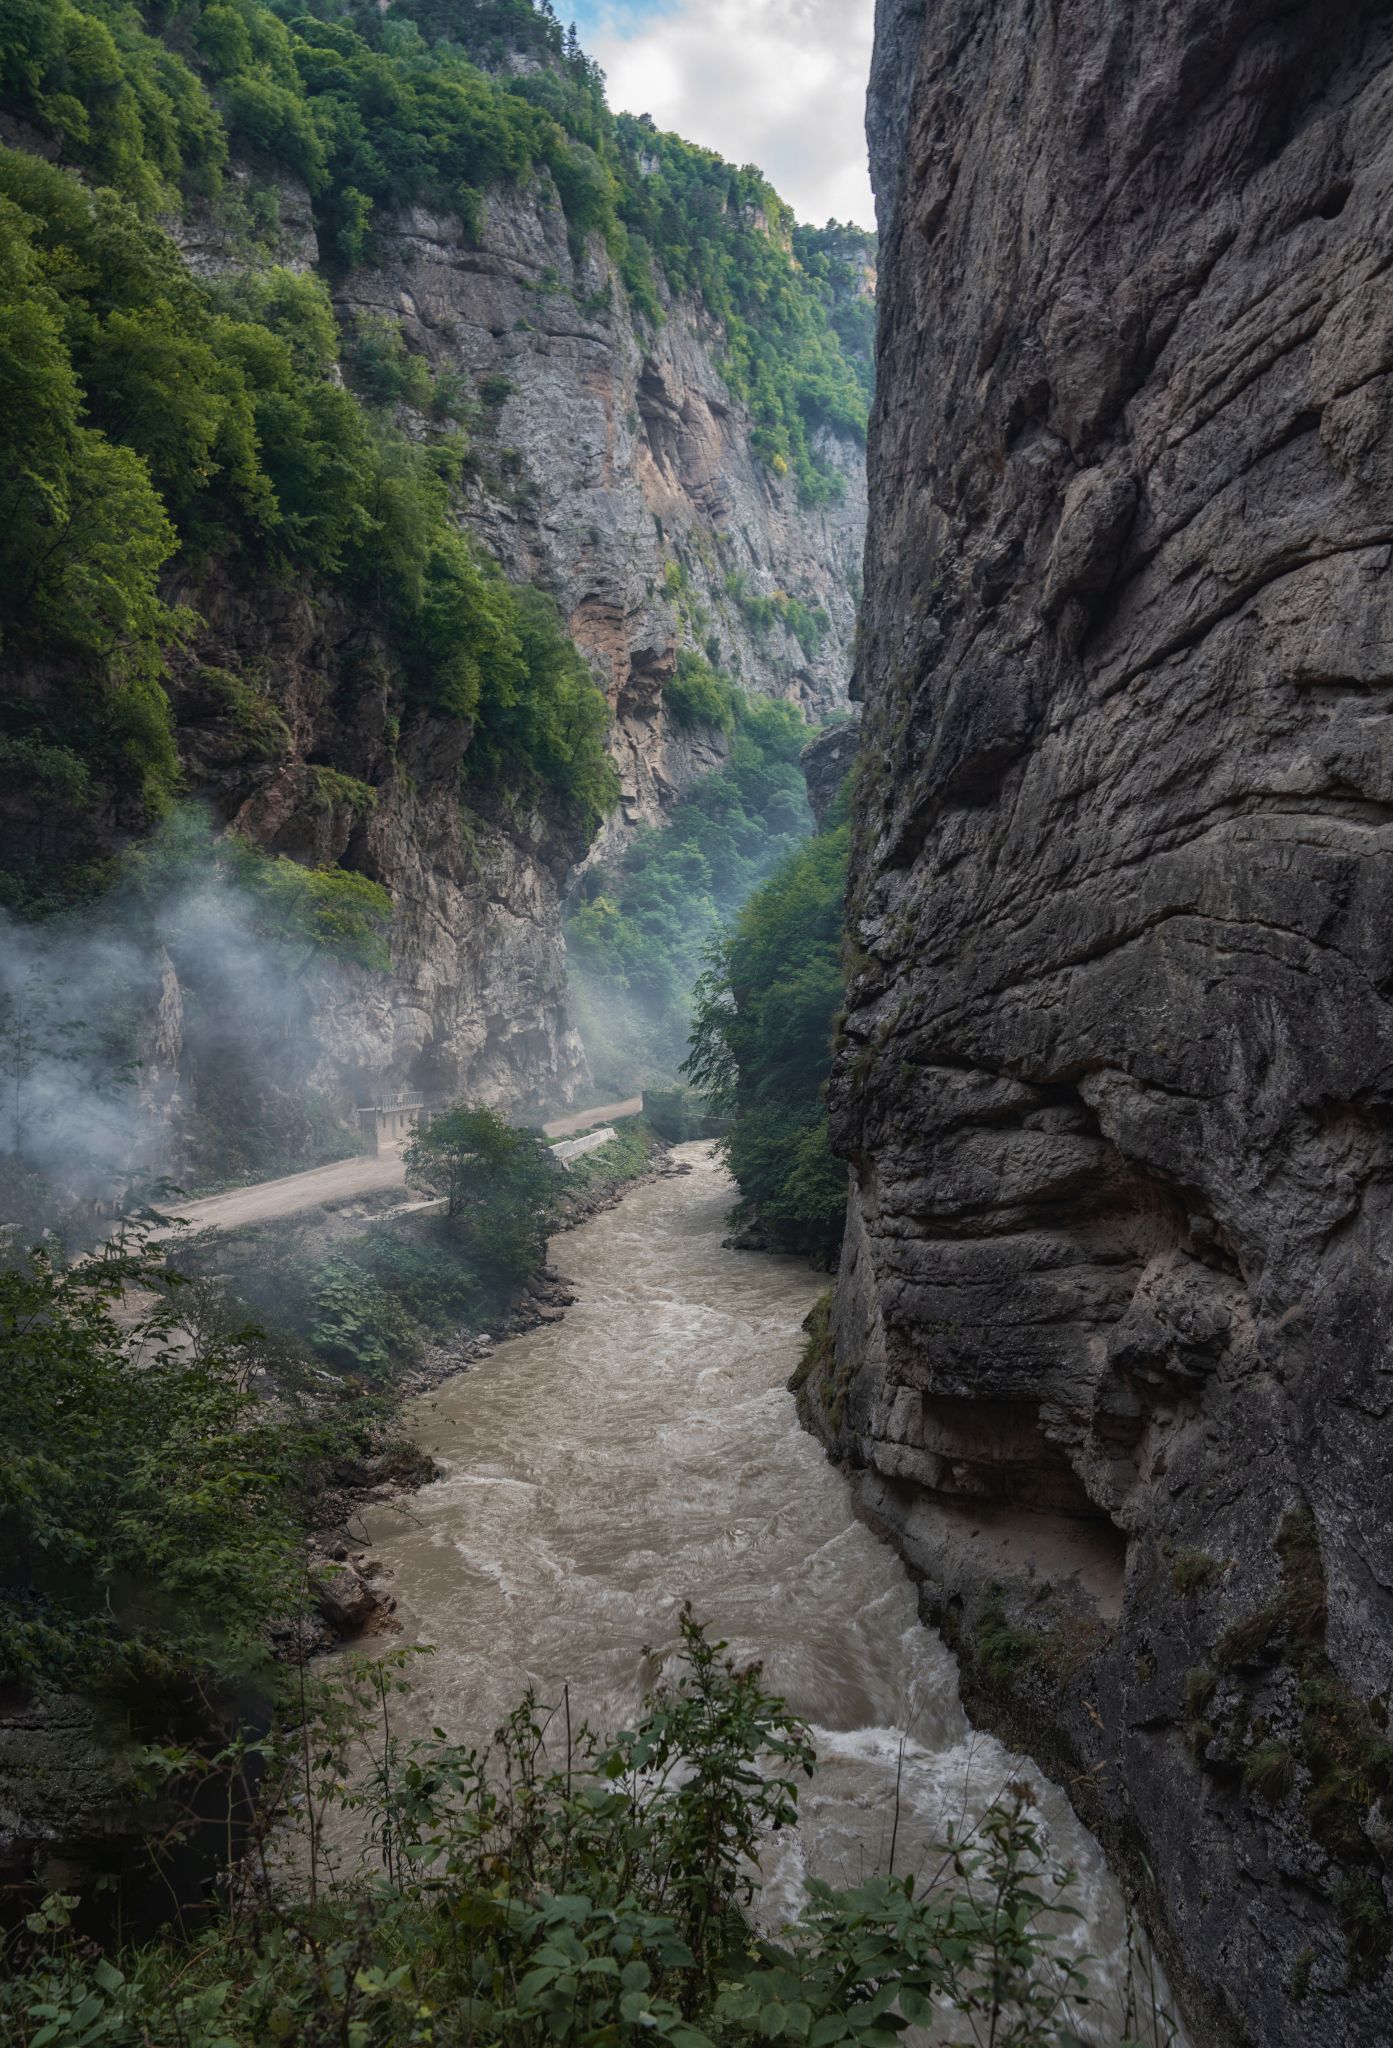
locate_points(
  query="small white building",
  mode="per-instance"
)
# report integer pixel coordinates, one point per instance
(390, 1122)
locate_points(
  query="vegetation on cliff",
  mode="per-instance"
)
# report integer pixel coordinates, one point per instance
(150, 414)
(765, 1013)
(177, 441)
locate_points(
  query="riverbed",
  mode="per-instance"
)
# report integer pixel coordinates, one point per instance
(645, 1452)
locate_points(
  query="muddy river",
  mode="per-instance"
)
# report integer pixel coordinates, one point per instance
(601, 1471)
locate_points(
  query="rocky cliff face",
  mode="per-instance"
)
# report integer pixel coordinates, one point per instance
(476, 1000)
(613, 469)
(1113, 1342)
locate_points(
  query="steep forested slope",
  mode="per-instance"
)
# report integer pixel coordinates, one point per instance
(357, 371)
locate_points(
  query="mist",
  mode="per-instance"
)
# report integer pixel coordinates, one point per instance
(164, 1035)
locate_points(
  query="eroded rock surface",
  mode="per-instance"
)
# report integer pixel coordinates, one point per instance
(613, 461)
(1113, 1326)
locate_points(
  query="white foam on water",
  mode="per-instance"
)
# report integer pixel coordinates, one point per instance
(645, 1452)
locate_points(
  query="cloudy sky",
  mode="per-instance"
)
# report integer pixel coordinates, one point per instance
(778, 83)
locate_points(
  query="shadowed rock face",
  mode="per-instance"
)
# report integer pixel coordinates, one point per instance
(1115, 1313)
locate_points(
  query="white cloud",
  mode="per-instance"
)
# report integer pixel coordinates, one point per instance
(778, 83)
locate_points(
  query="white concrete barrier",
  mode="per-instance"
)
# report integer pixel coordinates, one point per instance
(576, 1148)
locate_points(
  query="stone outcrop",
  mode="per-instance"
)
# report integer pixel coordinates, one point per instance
(476, 1001)
(1113, 1325)
(827, 761)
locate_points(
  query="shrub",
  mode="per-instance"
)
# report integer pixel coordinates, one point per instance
(499, 1185)
(1192, 1570)
(581, 1889)
(145, 1495)
(697, 695)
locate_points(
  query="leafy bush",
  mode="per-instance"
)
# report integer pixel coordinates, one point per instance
(596, 1900)
(699, 695)
(146, 1495)
(498, 1183)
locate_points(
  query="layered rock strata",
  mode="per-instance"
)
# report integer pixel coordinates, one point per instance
(1113, 1325)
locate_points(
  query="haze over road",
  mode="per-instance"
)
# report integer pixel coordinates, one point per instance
(347, 1179)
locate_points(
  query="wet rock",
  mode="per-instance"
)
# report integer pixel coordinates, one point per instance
(341, 1595)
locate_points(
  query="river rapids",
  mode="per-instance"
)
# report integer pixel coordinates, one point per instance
(602, 1471)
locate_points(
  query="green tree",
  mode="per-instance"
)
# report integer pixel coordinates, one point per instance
(145, 1494)
(498, 1184)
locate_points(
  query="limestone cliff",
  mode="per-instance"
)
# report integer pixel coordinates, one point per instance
(1117, 1079)
(612, 468)
(616, 470)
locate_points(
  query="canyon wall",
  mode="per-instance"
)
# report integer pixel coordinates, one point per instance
(612, 468)
(1116, 1085)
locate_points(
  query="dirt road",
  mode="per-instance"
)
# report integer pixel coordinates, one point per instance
(342, 1182)
(346, 1179)
(587, 1119)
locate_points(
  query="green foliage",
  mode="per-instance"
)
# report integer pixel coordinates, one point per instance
(623, 1158)
(331, 790)
(1332, 1758)
(315, 914)
(387, 111)
(1193, 1570)
(1366, 1924)
(83, 537)
(118, 102)
(1269, 1769)
(384, 371)
(147, 412)
(145, 1494)
(355, 1323)
(809, 624)
(698, 695)
(1005, 1653)
(635, 940)
(365, 1309)
(724, 236)
(761, 1043)
(257, 723)
(827, 1381)
(678, 1114)
(498, 1184)
(593, 1892)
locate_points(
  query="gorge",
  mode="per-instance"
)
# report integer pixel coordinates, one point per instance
(435, 514)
